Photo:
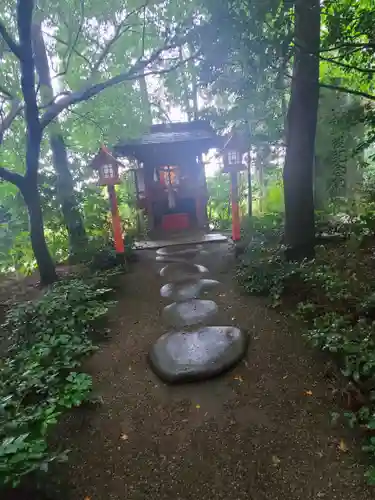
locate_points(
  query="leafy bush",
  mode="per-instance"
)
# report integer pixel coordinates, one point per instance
(39, 377)
(338, 300)
(265, 271)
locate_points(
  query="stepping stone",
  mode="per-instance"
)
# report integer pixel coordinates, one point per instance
(181, 271)
(169, 258)
(179, 255)
(186, 290)
(185, 251)
(199, 355)
(191, 312)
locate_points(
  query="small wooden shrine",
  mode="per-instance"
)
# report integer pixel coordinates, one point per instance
(170, 176)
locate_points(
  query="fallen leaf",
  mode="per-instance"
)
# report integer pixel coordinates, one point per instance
(238, 377)
(342, 446)
(197, 406)
(308, 393)
(124, 437)
(275, 460)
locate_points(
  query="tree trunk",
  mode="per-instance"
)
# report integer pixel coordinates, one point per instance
(249, 187)
(259, 167)
(146, 105)
(65, 185)
(185, 88)
(65, 192)
(43, 258)
(302, 118)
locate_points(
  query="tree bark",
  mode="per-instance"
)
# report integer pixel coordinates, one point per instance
(249, 186)
(65, 192)
(30, 193)
(302, 118)
(259, 163)
(29, 183)
(65, 184)
(185, 89)
(43, 258)
(145, 100)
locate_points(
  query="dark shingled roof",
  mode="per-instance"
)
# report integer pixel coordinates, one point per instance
(171, 133)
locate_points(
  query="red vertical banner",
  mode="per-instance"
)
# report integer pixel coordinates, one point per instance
(236, 225)
(116, 222)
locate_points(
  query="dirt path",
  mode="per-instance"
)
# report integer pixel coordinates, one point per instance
(252, 434)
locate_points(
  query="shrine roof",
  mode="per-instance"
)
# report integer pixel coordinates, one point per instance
(169, 134)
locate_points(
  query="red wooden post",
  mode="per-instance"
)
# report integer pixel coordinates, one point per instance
(116, 222)
(108, 166)
(236, 225)
(233, 163)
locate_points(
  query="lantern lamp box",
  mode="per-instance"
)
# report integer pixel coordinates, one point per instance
(107, 166)
(233, 152)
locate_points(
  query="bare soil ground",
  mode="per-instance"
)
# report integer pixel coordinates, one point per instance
(261, 432)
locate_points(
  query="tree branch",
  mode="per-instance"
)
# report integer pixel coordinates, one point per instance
(345, 90)
(63, 42)
(12, 44)
(6, 92)
(359, 45)
(8, 120)
(347, 66)
(88, 118)
(119, 31)
(72, 48)
(92, 90)
(12, 177)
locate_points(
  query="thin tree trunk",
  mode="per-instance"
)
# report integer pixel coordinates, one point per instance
(249, 187)
(65, 190)
(43, 258)
(185, 89)
(194, 85)
(65, 184)
(302, 118)
(30, 193)
(260, 172)
(145, 100)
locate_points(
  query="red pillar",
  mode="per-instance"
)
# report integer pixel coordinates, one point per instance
(116, 222)
(236, 226)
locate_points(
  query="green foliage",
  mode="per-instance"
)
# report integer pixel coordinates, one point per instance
(219, 201)
(332, 295)
(273, 201)
(263, 269)
(339, 133)
(39, 377)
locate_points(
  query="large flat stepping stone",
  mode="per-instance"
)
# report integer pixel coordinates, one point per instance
(190, 356)
(181, 251)
(191, 312)
(186, 290)
(181, 271)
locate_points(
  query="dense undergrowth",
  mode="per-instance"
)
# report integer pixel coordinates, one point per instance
(334, 295)
(41, 376)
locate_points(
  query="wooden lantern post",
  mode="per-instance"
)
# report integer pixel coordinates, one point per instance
(107, 166)
(232, 165)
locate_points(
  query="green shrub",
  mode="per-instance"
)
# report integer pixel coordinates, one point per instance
(39, 377)
(265, 271)
(339, 299)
